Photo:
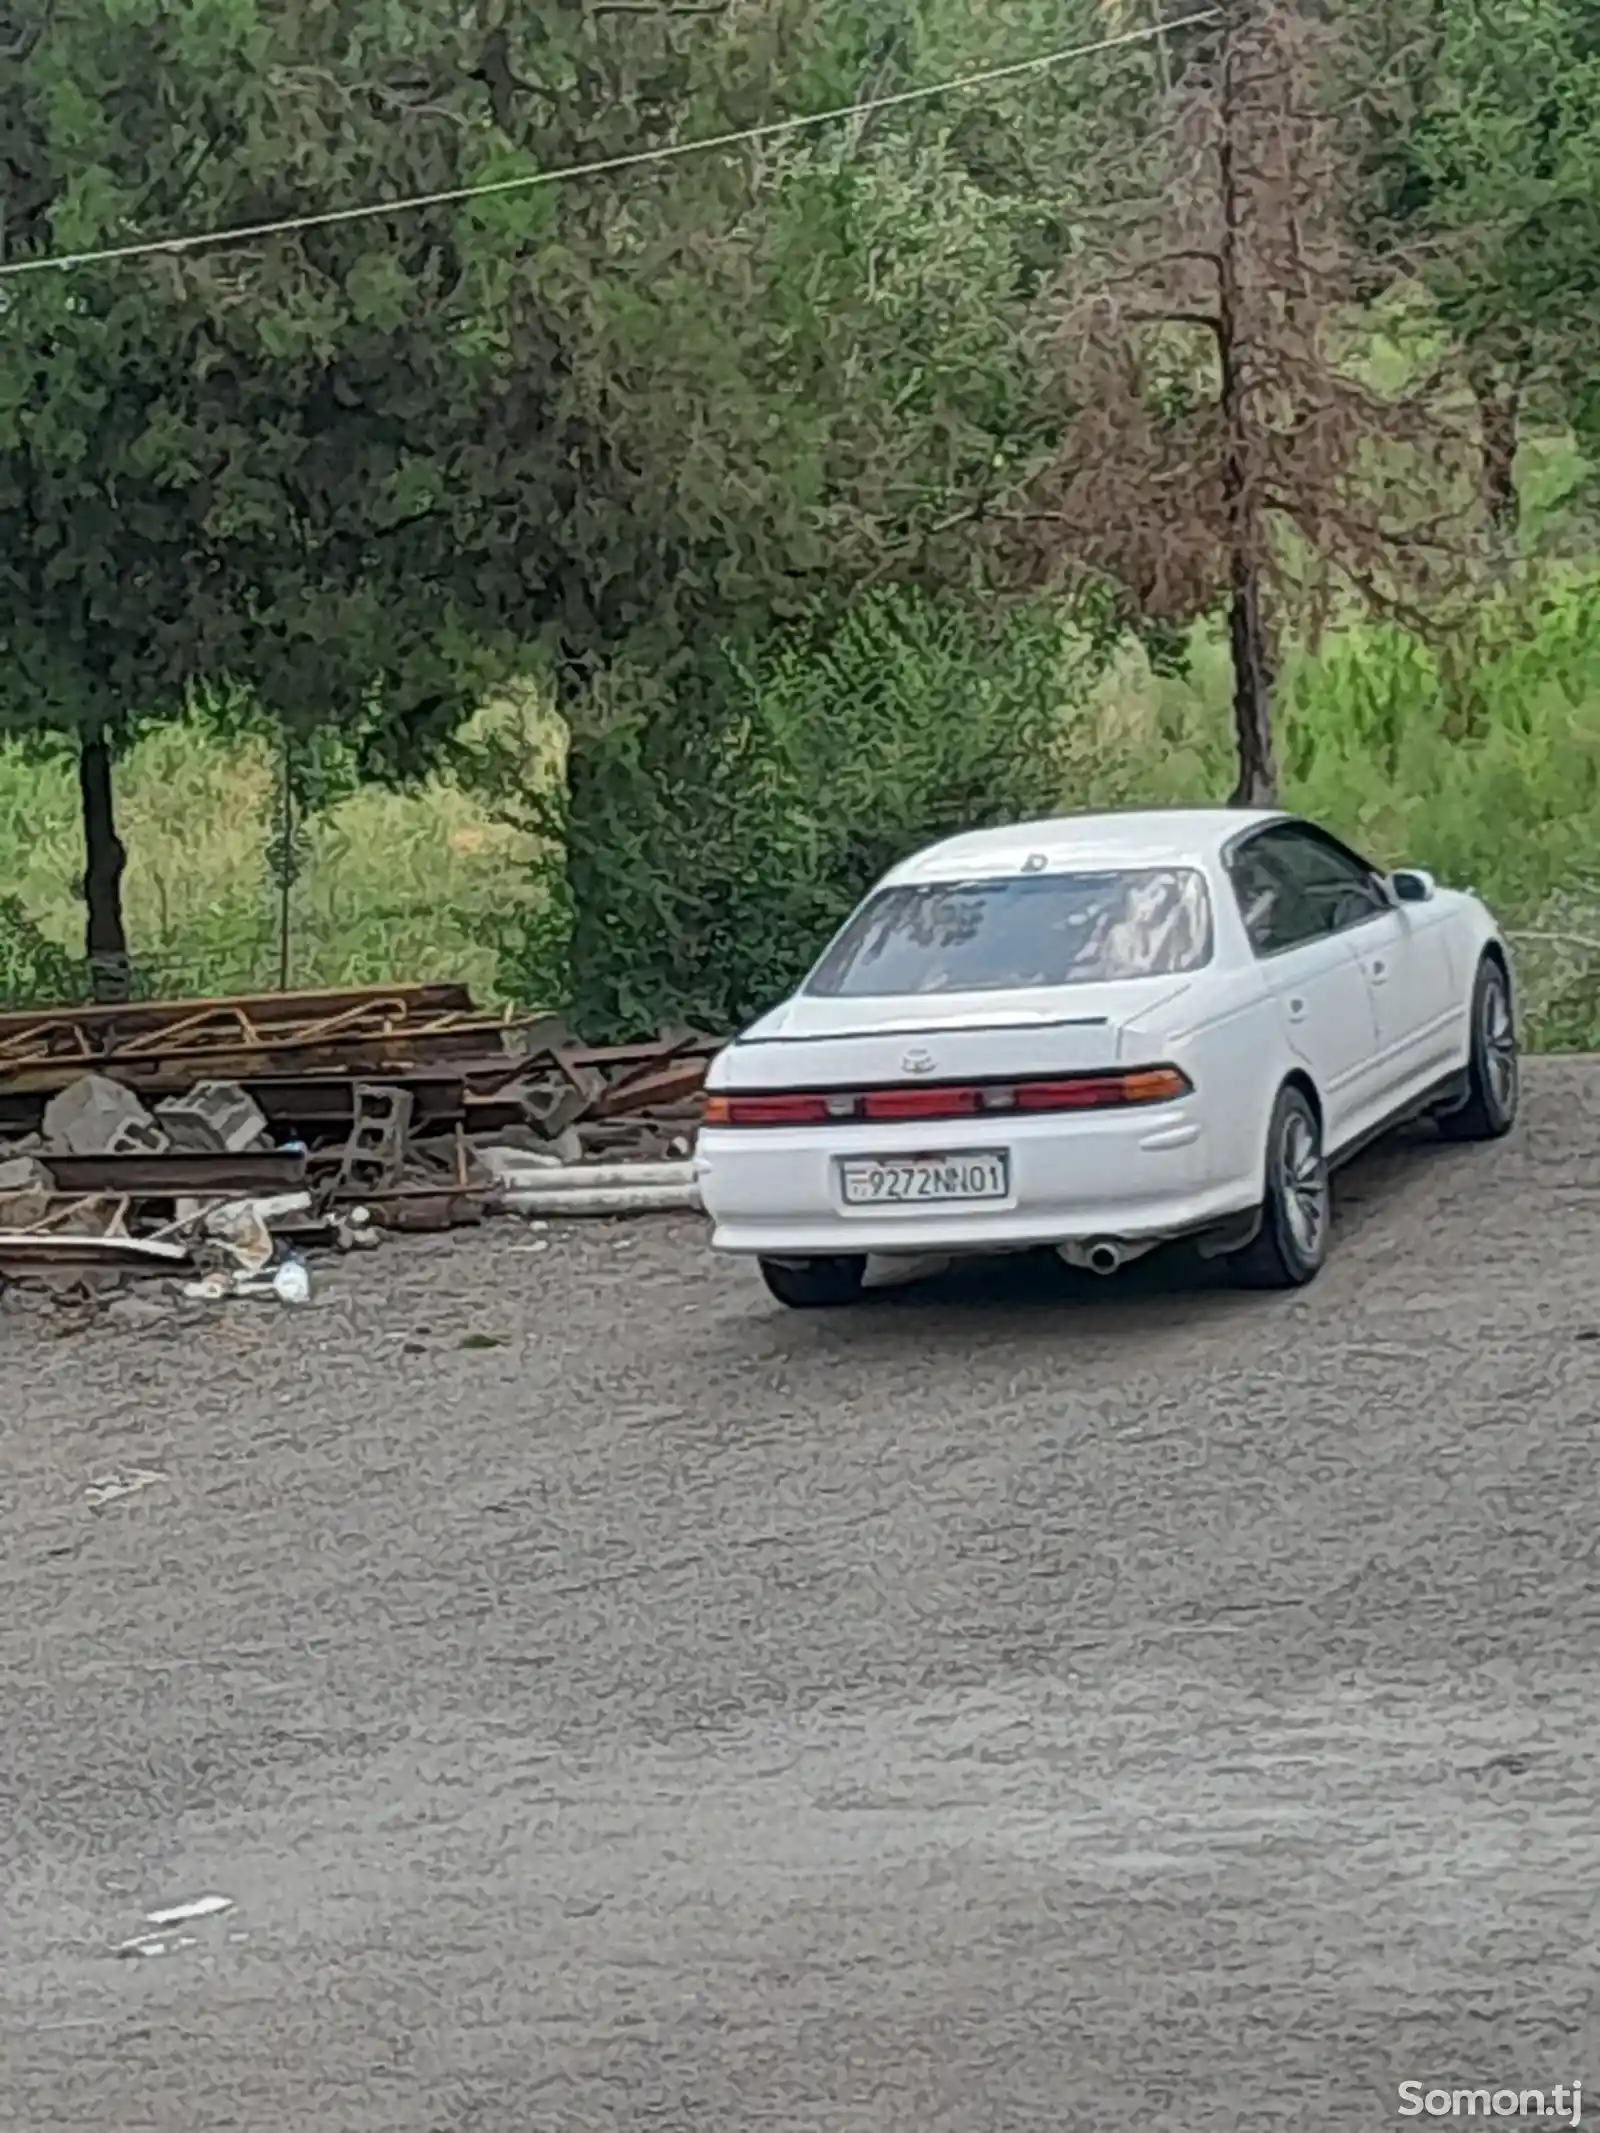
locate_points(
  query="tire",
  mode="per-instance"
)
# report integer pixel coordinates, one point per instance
(814, 1284)
(1289, 1248)
(1494, 1077)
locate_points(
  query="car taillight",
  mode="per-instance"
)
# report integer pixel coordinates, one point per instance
(919, 1103)
(766, 1110)
(1074, 1092)
(1156, 1085)
(1099, 1092)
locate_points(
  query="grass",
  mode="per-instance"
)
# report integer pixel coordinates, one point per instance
(392, 886)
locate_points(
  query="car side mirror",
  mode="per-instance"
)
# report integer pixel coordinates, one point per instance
(1413, 885)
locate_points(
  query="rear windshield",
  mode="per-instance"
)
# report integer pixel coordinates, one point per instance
(1027, 930)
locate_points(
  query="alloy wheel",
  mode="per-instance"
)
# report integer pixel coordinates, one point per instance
(1498, 1039)
(1304, 1179)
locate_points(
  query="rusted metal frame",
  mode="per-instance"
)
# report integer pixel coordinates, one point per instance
(237, 1032)
(79, 1051)
(211, 1026)
(261, 1008)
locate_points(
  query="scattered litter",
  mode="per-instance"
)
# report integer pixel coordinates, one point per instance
(179, 1914)
(244, 1227)
(210, 1288)
(484, 1340)
(156, 1944)
(107, 1488)
(355, 1231)
(289, 1282)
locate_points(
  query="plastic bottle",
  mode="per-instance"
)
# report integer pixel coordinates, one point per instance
(291, 1280)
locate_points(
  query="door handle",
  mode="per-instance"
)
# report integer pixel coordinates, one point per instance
(1378, 970)
(1297, 1010)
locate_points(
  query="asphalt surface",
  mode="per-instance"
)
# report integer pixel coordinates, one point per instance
(1020, 1704)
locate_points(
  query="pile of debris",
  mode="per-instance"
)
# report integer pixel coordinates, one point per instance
(219, 1139)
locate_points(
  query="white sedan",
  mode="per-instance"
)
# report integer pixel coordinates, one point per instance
(1100, 1034)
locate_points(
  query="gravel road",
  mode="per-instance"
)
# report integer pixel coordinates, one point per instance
(611, 1703)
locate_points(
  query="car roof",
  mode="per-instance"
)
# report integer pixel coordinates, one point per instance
(1161, 836)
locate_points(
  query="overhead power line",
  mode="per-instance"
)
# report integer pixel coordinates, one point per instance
(456, 195)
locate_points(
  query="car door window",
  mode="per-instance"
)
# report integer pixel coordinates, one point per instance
(1276, 911)
(1339, 888)
(1294, 886)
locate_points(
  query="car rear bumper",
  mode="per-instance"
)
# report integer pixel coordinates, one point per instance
(1136, 1175)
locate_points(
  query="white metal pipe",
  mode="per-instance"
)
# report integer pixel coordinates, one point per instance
(601, 1177)
(607, 1200)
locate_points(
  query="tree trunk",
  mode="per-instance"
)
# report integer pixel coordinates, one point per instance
(1499, 397)
(1251, 645)
(105, 940)
(1248, 636)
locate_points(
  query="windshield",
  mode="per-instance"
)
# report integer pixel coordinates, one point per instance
(1023, 931)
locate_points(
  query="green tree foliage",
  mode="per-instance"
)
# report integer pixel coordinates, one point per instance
(847, 741)
(1221, 451)
(362, 470)
(207, 465)
(675, 438)
(1486, 170)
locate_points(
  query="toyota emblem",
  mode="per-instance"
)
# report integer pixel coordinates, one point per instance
(917, 1061)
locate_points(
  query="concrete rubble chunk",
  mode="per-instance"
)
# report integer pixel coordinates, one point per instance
(97, 1116)
(25, 1190)
(217, 1116)
(566, 1147)
(551, 1106)
(516, 1166)
(25, 1173)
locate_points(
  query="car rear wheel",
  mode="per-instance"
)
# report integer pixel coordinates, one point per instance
(1493, 1075)
(814, 1284)
(1289, 1248)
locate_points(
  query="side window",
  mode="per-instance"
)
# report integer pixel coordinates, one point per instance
(1341, 891)
(1292, 887)
(1276, 912)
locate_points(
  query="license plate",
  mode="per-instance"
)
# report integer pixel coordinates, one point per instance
(924, 1180)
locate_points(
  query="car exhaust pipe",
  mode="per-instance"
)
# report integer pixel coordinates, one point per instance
(1104, 1257)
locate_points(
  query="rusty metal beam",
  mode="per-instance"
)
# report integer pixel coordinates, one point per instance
(643, 1092)
(180, 1173)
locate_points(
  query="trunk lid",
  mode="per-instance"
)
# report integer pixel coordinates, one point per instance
(817, 1043)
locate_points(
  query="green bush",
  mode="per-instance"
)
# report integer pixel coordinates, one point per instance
(841, 750)
(1482, 764)
(34, 970)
